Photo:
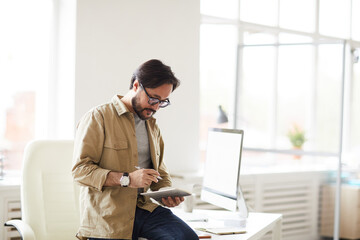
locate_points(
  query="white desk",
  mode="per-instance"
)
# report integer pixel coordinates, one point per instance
(258, 224)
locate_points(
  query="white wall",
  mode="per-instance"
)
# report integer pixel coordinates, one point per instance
(61, 87)
(113, 37)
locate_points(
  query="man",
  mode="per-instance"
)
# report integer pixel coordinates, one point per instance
(119, 153)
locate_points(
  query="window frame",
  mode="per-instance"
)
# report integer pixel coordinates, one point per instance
(316, 37)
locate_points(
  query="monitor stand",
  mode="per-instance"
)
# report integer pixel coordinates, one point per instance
(242, 211)
(229, 219)
(236, 220)
(242, 208)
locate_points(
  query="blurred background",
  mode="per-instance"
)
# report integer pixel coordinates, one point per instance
(286, 72)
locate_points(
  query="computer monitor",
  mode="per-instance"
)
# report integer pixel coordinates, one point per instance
(221, 185)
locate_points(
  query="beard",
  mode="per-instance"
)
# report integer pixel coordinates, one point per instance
(141, 112)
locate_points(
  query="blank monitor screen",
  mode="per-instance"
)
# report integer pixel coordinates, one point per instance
(222, 167)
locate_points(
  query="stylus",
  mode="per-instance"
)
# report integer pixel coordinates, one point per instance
(158, 177)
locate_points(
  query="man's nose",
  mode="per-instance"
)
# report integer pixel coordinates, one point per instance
(155, 107)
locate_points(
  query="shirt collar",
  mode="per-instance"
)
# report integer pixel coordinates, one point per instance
(121, 108)
(119, 105)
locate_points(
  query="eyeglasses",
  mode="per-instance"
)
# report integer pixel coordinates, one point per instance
(153, 101)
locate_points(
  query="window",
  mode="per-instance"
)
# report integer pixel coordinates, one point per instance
(353, 148)
(219, 9)
(255, 96)
(355, 21)
(297, 15)
(267, 14)
(24, 64)
(32, 95)
(287, 72)
(218, 59)
(338, 26)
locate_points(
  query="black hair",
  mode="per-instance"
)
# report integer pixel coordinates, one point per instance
(153, 74)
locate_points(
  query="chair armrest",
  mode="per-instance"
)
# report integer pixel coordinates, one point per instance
(24, 229)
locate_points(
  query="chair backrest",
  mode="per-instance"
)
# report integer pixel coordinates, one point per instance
(49, 198)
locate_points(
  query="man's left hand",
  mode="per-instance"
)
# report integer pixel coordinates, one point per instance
(172, 202)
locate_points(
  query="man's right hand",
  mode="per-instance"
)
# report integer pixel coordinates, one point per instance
(143, 177)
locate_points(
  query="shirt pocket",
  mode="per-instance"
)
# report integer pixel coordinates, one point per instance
(116, 155)
(118, 145)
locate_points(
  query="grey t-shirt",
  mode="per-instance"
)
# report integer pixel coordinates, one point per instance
(142, 143)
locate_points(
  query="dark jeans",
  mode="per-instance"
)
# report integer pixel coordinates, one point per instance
(161, 224)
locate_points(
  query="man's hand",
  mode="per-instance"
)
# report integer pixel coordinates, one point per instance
(143, 177)
(172, 202)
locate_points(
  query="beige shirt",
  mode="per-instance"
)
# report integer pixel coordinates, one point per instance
(105, 141)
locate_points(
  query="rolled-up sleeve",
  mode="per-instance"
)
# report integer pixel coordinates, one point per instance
(88, 147)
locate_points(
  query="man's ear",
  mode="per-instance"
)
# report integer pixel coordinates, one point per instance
(136, 85)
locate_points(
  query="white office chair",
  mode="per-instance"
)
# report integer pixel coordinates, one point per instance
(49, 198)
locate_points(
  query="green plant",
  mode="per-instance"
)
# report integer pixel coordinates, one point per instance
(296, 136)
